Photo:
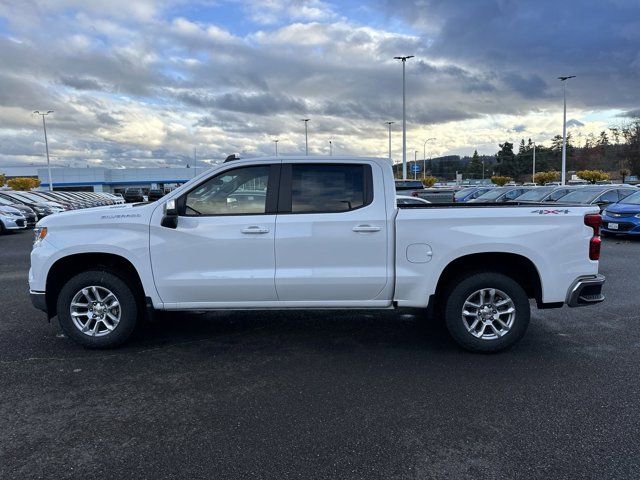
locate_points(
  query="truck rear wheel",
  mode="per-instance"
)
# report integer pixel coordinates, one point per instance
(97, 309)
(487, 312)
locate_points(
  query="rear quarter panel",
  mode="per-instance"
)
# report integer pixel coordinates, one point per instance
(555, 240)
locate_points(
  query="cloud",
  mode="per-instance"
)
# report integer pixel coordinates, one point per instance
(142, 83)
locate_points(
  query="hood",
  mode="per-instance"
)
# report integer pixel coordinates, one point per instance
(8, 209)
(622, 207)
(23, 209)
(102, 216)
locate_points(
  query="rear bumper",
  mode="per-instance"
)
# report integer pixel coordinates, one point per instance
(586, 291)
(39, 300)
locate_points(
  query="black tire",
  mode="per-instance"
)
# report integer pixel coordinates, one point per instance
(463, 289)
(127, 302)
(2, 229)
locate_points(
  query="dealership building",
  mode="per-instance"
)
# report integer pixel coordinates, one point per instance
(115, 180)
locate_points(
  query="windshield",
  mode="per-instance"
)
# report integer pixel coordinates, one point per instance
(408, 184)
(633, 199)
(537, 193)
(582, 195)
(493, 194)
(463, 193)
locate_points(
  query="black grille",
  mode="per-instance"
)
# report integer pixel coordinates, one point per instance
(21, 222)
(622, 226)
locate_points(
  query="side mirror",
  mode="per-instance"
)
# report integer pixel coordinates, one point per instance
(170, 217)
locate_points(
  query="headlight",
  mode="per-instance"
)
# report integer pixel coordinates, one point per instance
(604, 212)
(39, 234)
(637, 215)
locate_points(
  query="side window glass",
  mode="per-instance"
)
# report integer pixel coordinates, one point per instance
(240, 191)
(326, 188)
(624, 193)
(609, 197)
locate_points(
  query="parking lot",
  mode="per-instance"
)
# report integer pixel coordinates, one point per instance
(322, 395)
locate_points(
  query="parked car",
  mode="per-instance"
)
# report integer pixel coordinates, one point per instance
(408, 200)
(470, 193)
(29, 197)
(404, 185)
(28, 213)
(11, 219)
(40, 209)
(155, 194)
(133, 195)
(500, 194)
(622, 217)
(436, 194)
(596, 195)
(543, 194)
(327, 234)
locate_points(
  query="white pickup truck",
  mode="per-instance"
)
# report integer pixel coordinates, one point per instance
(312, 233)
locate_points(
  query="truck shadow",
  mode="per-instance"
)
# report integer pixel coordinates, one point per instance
(327, 330)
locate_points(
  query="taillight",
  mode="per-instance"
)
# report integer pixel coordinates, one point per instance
(414, 194)
(594, 221)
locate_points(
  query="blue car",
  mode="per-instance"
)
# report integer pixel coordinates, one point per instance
(623, 217)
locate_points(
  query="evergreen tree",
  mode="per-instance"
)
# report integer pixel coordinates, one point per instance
(474, 167)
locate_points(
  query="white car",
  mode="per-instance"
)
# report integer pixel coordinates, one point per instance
(315, 233)
(408, 200)
(11, 219)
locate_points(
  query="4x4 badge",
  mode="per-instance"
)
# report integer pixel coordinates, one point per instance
(550, 212)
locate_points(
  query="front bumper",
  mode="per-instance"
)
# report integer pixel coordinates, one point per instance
(626, 225)
(14, 223)
(586, 291)
(39, 300)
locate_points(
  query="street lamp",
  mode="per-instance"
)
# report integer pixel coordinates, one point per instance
(46, 143)
(276, 142)
(533, 175)
(424, 155)
(306, 135)
(415, 164)
(564, 126)
(404, 118)
(330, 148)
(389, 125)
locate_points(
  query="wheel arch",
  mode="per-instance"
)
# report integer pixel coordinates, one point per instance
(66, 267)
(516, 266)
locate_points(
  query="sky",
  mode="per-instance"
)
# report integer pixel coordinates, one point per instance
(144, 83)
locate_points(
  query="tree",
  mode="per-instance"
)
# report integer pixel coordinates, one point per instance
(429, 181)
(474, 167)
(624, 173)
(500, 180)
(545, 177)
(3, 179)
(593, 176)
(23, 183)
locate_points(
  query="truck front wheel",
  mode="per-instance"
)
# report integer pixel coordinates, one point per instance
(487, 312)
(97, 309)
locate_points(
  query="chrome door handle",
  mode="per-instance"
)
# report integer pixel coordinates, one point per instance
(255, 229)
(366, 228)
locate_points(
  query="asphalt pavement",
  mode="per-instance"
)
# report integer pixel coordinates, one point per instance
(334, 395)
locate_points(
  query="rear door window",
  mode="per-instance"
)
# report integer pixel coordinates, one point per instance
(328, 188)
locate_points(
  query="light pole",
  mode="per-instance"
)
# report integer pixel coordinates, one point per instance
(533, 175)
(330, 148)
(564, 126)
(46, 143)
(389, 125)
(404, 117)
(276, 142)
(424, 155)
(306, 135)
(415, 164)
(195, 164)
